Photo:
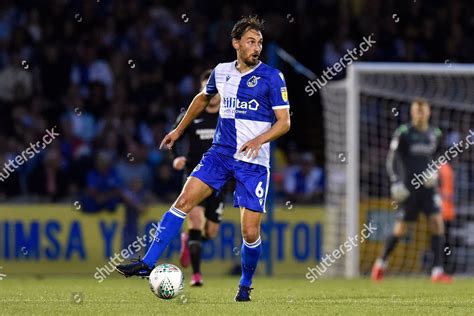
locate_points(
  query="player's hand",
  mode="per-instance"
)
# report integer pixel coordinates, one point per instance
(432, 181)
(251, 148)
(399, 191)
(179, 162)
(170, 139)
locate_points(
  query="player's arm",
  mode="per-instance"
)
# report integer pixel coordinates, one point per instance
(394, 166)
(281, 127)
(199, 103)
(394, 163)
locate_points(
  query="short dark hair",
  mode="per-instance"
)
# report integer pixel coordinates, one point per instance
(250, 22)
(205, 75)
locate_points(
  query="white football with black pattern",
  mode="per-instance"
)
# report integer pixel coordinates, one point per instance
(166, 281)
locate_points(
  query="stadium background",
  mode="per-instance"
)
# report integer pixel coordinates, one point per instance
(113, 76)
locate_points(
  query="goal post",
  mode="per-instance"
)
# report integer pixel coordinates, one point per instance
(352, 175)
(361, 113)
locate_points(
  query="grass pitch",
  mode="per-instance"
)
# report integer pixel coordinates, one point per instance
(276, 296)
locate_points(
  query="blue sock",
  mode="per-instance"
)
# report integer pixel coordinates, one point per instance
(249, 259)
(168, 228)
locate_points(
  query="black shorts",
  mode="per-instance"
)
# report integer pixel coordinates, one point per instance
(214, 207)
(421, 200)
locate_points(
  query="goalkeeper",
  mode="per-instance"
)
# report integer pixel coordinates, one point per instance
(412, 148)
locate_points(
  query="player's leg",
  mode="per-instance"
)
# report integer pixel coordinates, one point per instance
(250, 251)
(205, 227)
(211, 229)
(213, 215)
(194, 191)
(193, 234)
(251, 244)
(380, 265)
(399, 231)
(436, 227)
(250, 195)
(196, 225)
(215, 170)
(210, 174)
(408, 213)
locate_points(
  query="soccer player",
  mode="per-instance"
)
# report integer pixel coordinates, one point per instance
(413, 147)
(206, 216)
(254, 110)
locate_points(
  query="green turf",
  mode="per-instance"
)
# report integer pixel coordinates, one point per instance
(276, 296)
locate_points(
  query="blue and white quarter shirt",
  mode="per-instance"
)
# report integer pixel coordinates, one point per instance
(248, 101)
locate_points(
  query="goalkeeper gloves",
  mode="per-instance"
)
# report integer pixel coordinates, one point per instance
(399, 191)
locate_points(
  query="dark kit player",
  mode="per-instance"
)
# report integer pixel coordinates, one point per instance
(413, 148)
(254, 111)
(204, 219)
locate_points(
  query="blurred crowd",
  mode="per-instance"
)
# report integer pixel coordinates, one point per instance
(113, 76)
(416, 31)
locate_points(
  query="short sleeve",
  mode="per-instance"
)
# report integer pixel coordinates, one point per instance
(211, 88)
(278, 92)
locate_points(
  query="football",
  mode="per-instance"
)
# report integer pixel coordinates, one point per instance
(166, 281)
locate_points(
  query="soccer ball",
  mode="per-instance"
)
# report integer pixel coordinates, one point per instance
(166, 281)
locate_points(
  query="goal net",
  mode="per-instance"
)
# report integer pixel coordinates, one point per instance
(361, 114)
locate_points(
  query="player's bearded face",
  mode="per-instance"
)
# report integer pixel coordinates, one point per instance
(249, 47)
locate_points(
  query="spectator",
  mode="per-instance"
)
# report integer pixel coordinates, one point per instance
(123, 73)
(132, 165)
(54, 69)
(167, 182)
(304, 182)
(50, 180)
(103, 190)
(89, 68)
(16, 83)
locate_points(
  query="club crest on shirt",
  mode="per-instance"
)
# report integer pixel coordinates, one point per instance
(284, 94)
(252, 82)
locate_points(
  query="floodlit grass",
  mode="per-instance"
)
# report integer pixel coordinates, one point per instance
(84, 296)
